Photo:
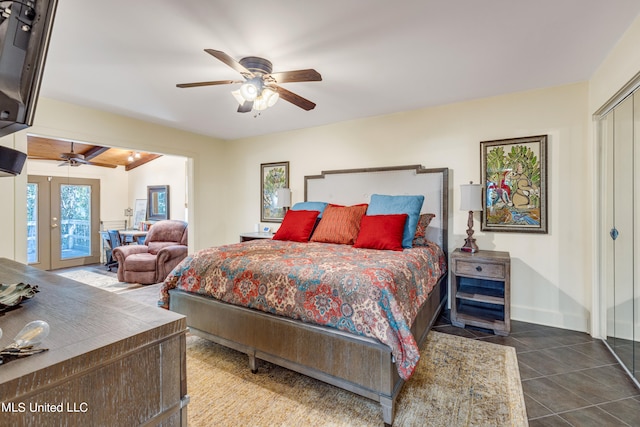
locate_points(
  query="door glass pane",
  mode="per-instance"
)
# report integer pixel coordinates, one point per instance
(32, 223)
(623, 222)
(75, 221)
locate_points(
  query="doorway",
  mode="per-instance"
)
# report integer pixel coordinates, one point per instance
(63, 222)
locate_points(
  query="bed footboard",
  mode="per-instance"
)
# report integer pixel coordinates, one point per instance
(358, 364)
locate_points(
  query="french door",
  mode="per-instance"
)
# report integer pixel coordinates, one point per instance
(63, 222)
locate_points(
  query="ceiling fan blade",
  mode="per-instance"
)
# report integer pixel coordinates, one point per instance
(309, 75)
(78, 160)
(246, 107)
(229, 61)
(293, 98)
(214, 83)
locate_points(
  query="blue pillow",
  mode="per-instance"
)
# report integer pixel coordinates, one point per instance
(410, 205)
(310, 206)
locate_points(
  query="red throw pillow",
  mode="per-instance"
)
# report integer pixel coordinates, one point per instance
(423, 223)
(339, 224)
(297, 226)
(381, 232)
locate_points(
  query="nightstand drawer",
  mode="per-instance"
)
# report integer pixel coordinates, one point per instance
(479, 269)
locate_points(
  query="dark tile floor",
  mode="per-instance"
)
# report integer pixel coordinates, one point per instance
(568, 378)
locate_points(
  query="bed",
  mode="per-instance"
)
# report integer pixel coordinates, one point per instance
(354, 317)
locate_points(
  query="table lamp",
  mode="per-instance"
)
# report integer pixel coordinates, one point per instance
(128, 212)
(283, 198)
(470, 200)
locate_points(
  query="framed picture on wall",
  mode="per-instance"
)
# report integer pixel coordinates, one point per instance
(514, 173)
(139, 213)
(272, 177)
(158, 202)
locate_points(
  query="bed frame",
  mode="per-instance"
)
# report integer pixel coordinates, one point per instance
(358, 364)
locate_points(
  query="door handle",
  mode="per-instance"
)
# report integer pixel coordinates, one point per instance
(614, 233)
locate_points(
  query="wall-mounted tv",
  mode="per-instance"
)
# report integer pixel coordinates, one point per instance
(25, 30)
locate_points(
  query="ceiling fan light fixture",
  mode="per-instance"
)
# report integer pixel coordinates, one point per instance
(267, 99)
(250, 90)
(270, 96)
(259, 104)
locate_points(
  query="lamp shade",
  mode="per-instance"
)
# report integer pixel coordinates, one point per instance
(11, 161)
(471, 197)
(283, 196)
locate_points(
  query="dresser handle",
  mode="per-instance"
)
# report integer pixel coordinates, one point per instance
(478, 268)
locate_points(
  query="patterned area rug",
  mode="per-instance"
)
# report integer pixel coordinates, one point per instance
(99, 280)
(458, 382)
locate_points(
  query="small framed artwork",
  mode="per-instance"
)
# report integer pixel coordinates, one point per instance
(514, 173)
(139, 213)
(273, 176)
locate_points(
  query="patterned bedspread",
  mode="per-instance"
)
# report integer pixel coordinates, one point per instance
(366, 292)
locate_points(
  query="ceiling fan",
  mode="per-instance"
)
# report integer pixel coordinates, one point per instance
(260, 88)
(77, 159)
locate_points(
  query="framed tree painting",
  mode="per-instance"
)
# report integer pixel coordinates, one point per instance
(514, 173)
(273, 176)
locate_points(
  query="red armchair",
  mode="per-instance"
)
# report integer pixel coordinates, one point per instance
(164, 247)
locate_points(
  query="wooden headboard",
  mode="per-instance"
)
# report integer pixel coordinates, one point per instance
(352, 186)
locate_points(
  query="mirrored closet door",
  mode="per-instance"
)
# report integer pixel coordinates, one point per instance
(620, 135)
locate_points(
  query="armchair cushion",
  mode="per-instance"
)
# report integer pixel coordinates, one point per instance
(153, 261)
(155, 247)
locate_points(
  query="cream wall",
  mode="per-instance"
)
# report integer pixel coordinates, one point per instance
(57, 119)
(618, 68)
(13, 193)
(165, 170)
(550, 284)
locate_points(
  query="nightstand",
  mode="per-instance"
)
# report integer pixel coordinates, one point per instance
(245, 237)
(481, 290)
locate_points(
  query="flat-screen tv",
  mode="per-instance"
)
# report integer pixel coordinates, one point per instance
(25, 30)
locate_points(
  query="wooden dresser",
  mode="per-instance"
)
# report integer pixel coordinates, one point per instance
(111, 361)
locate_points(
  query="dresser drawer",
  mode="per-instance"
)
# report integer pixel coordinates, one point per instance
(479, 269)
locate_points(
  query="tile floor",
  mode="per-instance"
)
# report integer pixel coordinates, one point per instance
(568, 378)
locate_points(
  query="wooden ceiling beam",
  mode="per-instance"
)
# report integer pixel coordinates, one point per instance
(141, 161)
(95, 152)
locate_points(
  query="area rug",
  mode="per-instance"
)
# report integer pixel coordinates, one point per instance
(458, 382)
(102, 281)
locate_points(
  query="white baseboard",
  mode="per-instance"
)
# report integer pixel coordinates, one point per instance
(571, 321)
